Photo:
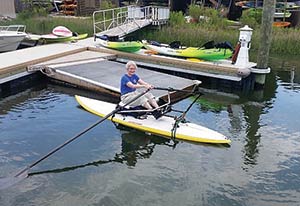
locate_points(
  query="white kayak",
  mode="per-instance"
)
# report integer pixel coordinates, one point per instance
(162, 126)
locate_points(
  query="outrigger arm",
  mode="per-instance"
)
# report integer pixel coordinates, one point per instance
(181, 118)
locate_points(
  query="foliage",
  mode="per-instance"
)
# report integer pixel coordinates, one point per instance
(177, 19)
(286, 41)
(105, 4)
(195, 11)
(33, 10)
(44, 25)
(206, 16)
(252, 17)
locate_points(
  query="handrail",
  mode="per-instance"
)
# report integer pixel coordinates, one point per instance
(111, 18)
(15, 28)
(105, 13)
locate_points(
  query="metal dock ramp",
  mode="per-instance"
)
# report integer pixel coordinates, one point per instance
(124, 20)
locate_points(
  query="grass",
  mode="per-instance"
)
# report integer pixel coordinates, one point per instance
(45, 24)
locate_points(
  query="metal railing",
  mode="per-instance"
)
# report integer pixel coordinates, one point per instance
(104, 20)
(132, 16)
(13, 28)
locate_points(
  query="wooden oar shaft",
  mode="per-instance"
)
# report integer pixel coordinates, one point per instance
(79, 134)
(170, 89)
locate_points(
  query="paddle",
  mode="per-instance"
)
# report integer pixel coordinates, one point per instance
(171, 89)
(22, 174)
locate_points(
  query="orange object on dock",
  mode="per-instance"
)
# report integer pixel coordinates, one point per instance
(281, 24)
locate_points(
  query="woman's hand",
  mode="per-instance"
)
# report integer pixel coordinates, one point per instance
(148, 86)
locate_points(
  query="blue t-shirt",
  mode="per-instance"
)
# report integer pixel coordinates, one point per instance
(125, 79)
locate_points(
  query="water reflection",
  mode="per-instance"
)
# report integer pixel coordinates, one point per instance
(244, 114)
(260, 168)
(135, 145)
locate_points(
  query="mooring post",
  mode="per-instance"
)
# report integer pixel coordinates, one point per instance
(265, 39)
(245, 41)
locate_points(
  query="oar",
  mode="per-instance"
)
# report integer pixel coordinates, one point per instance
(22, 174)
(170, 89)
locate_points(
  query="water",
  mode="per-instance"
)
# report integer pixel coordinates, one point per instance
(118, 166)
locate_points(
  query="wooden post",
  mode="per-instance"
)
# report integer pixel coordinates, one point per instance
(265, 38)
(266, 34)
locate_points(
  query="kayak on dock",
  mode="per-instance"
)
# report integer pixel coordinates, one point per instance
(114, 42)
(208, 52)
(167, 126)
(51, 38)
(61, 34)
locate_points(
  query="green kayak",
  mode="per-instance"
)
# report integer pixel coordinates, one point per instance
(117, 44)
(51, 38)
(215, 52)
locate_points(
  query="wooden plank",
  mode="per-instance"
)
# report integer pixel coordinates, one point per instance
(209, 67)
(13, 61)
(85, 55)
(185, 71)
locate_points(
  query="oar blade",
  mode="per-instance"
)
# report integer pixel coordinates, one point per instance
(6, 182)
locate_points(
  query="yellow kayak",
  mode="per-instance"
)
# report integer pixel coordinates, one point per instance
(162, 126)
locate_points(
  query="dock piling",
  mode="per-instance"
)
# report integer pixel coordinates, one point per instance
(265, 38)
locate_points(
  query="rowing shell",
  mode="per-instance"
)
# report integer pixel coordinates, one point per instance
(162, 126)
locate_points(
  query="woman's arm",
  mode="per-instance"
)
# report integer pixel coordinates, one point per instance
(146, 85)
(136, 86)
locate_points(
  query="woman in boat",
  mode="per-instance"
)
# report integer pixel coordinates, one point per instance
(129, 83)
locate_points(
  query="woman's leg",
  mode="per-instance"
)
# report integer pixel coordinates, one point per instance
(151, 100)
(147, 105)
(130, 96)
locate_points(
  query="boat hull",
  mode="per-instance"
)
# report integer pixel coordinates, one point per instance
(125, 46)
(51, 38)
(162, 126)
(192, 52)
(10, 42)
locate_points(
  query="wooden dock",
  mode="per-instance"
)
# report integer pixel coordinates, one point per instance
(17, 61)
(210, 69)
(89, 51)
(103, 75)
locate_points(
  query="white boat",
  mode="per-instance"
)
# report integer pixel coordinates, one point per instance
(164, 126)
(11, 37)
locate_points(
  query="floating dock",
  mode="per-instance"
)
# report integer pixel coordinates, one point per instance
(100, 74)
(222, 74)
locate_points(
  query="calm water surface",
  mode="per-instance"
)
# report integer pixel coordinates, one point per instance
(117, 166)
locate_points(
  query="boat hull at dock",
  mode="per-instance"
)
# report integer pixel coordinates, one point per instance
(212, 54)
(11, 37)
(10, 42)
(125, 46)
(162, 126)
(51, 38)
